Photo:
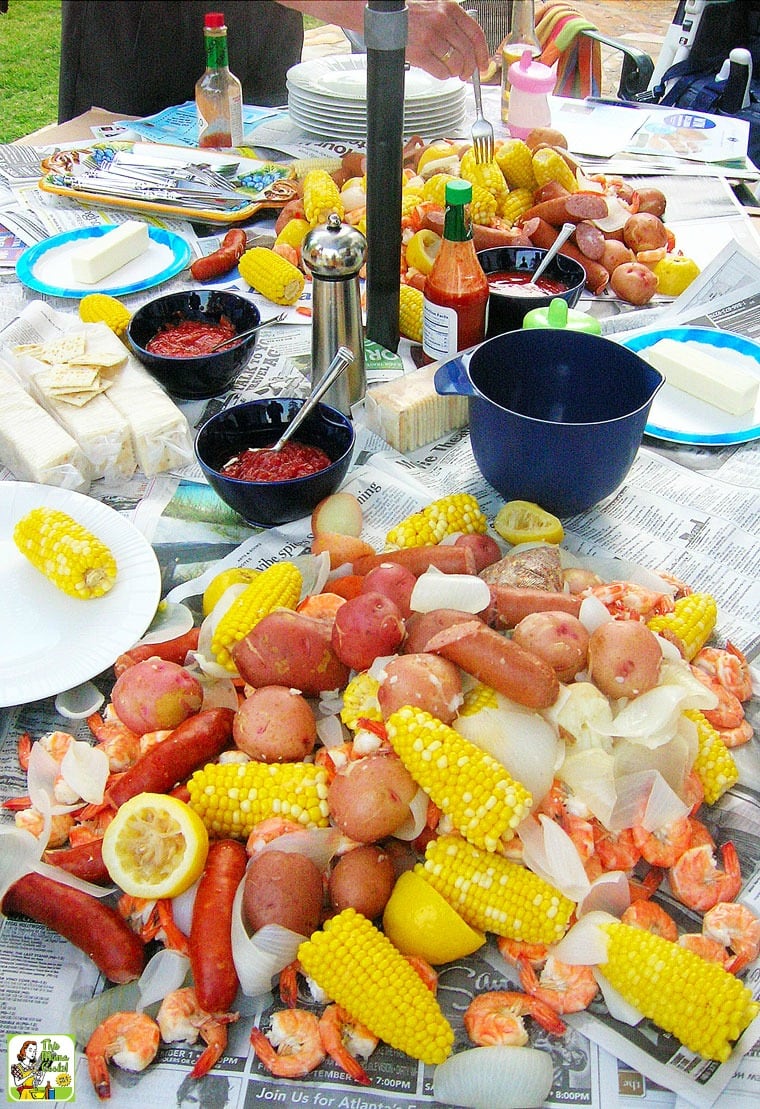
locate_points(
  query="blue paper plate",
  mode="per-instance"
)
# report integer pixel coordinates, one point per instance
(678, 417)
(46, 266)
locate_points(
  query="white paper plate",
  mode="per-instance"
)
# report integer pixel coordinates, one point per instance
(50, 641)
(344, 77)
(680, 418)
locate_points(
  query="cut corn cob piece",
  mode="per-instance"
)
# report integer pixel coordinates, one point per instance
(484, 803)
(279, 586)
(360, 969)
(699, 1002)
(271, 275)
(494, 894)
(434, 188)
(360, 700)
(714, 764)
(484, 206)
(487, 175)
(100, 308)
(293, 233)
(231, 798)
(410, 198)
(515, 203)
(690, 624)
(515, 160)
(549, 165)
(302, 166)
(459, 512)
(410, 313)
(69, 555)
(321, 196)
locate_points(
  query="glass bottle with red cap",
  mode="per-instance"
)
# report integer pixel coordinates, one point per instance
(218, 93)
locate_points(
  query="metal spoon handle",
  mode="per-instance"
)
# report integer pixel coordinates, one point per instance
(564, 234)
(240, 335)
(343, 357)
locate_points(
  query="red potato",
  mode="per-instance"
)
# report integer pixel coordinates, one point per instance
(275, 724)
(484, 547)
(651, 200)
(292, 649)
(633, 282)
(615, 253)
(545, 136)
(339, 514)
(369, 798)
(624, 658)
(392, 581)
(283, 887)
(423, 680)
(214, 975)
(644, 231)
(558, 638)
(156, 694)
(363, 880)
(365, 628)
(422, 626)
(173, 650)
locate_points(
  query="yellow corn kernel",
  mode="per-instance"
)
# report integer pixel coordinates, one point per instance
(410, 313)
(69, 555)
(100, 308)
(321, 196)
(271, 275)
(690, 624)
(477, 698)
(515, 160)
(231, 798)
(494, 894)
(410, 198)
(549, 165)
(360, 700)
(302, 166)
(515, 203)
(487, 175)
(459, 512)
(479, 796)
(361, 970)
(714, 764)
(293, 233)
(700, 1003)
(279, 586)
(483, 207)
(434, 189)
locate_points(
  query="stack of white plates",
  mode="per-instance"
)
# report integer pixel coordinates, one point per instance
(328, 97)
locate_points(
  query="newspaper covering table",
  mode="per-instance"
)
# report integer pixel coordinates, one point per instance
(691, 512)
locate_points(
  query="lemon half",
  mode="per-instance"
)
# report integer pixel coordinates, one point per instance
(233, 575)
(419, 921)
(526, 522)
(422, 249)
(155, 846)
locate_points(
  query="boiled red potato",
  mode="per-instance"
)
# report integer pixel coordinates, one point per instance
(283, 887)
(290, 648)
(424, 681)
(275, 724)
(338, 514)
(369, 798)
(651, 200)
(558, 638)
(365, 628)
(156, 694)
(633, 282)
(644, 231)
(393, 581)
(614, 254)
(484, 547)
(624, 658)
(363, 880)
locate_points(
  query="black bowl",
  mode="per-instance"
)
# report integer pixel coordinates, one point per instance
(506, 311)
(206, 375)
(258, 423)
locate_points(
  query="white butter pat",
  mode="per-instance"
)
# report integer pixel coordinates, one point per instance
(704, 376)
(102, 256)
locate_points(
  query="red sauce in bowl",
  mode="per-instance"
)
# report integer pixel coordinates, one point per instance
(189, 338)
(520, 283)
(293, 460)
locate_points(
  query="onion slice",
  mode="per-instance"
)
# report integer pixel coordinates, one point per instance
(433, 590)
(86, 770)
(79, 702)
(494, 1078)
(164, 972)
(550, 853)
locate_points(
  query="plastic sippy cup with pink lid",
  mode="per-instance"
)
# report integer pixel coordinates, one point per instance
(531, 82)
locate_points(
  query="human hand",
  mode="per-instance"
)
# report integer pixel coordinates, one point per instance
(444, 40)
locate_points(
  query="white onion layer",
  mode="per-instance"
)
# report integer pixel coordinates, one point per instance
(494, 1078)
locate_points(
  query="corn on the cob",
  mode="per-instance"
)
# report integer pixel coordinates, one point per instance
(515, 160)
(231, 798)
(434, 188)
(410, 198)
(69, 555)
(699, 1002)
(293, 233)
(279, 586)
(494, 894)
(321, 196)
(271, 275)
(100, 308)
(445, 516)
(360, 700)
(714, 764)
(484, 803)
(549, 165)
(515, 203)
(302, 166)
(487, 175)
(410, 313)
(360, 969)
(483, 207)
(690, 624)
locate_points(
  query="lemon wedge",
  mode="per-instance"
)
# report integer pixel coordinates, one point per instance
(233, 575)
(419, 921)
(526, 522)
(155, 846)
(674, 274)
(421, 250)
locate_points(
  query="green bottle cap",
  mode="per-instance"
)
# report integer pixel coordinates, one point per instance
(558, 315)
(458, 191)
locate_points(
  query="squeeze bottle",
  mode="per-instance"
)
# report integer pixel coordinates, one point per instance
(531, 83)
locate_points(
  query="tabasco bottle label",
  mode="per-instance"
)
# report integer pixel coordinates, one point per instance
(440, 330)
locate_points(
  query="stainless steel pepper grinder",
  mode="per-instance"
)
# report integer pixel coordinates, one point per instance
(334, 252)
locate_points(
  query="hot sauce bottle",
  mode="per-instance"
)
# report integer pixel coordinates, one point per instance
(218, 93)
(456, 290)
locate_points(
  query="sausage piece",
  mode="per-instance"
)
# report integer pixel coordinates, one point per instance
(444, 557)
(509, 604)
(85, 861)
(222, 260)
(173, 650)
(214, 974)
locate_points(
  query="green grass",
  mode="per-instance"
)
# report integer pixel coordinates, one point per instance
(30, 50)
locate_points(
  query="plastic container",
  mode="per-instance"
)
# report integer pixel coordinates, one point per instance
(522, 36)
(559, 315)
(531, 83)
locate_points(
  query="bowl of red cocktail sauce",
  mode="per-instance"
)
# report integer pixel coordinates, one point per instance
(512, 293)
(268, 488)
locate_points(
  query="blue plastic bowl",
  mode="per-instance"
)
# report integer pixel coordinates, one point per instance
(259, 423)
(556, 417)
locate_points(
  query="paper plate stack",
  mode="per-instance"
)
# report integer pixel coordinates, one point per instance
(328, 97)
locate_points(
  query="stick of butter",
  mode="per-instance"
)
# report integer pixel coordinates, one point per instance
(99, 257)
(704, 376)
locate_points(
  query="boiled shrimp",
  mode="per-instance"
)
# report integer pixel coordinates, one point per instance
(288, 983)
(181, 1019)
(344, 1038)
(698, 882)
(738, 929)
(651, 917)
(627, 600)
(729, 666)
(32, 820)
(293, 1046)
(616, 850)
(692, 792)
(425, 971)
(120, 745)
(700, 833)
(24, 750)
(736, 737)
(665, 845)
(130, 1040)
(153, 920)
(708, 949)
(495, 1018)
(85, 831)
(729, 712)
(268, 830)
(563, 986)
(517, 951)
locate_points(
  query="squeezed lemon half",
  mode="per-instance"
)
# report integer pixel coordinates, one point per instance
(526, 522)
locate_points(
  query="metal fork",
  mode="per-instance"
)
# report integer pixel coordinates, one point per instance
(482, 132)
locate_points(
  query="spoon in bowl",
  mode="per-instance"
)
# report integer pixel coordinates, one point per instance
(563, 235)
(240, 335)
